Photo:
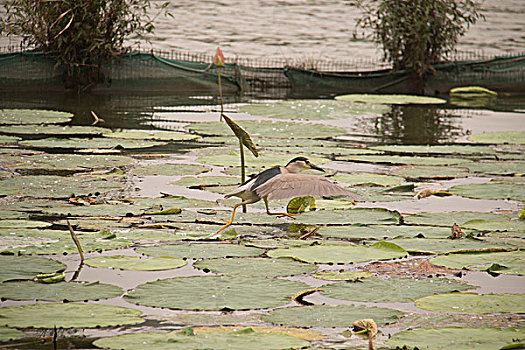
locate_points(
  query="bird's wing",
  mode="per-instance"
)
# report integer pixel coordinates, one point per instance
(295, 185)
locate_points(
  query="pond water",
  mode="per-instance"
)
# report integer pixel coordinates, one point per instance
(280, 29)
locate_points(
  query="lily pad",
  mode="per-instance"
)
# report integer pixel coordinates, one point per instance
(485, 225)
(474, 303)
(436, 149)
(71, 291)
(264, 129)
(204, 182)
(500, 137)
(241, 339)
(498, 168)
(490, 191)
(343, 276)
(5, 224)
(169, 169)
(312, 109)
(8, 139)
(250, 267)
(215, 293)
(119, 209)
(324, 150)
(512, 263)
(444, 245)
(330, 316)
(150, 235)
(200, 250)
(340, 254)
(369, 179)
(393, 289)
(349, 216)
(266, 160)
(8, 334)
(390, 99)
(431, 172)
(51, 130)
(457, 338)
(33, 116)
(26, 267)
(68, 315)
(151, 135)
(81, 143)
(55, 186)
(415, 160)
(135, 263)
(448, 219)
(383, 231)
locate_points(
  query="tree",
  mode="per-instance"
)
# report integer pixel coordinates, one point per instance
(414, 34)
(83, 34)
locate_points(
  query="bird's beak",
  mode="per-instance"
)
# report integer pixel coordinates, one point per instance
(315, 167)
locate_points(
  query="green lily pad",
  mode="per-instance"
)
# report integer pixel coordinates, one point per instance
(81, 143)
(71, 291)
(8, 139)
(393, 289)
(390, 99)
(135, 263)
(431, 172)
(151, 135)
(95, 210)
(26, 267)
(171, 202)
(215, 293)
(343, 276)
(330, 316)
(200, 250)
(68, 315)
(209, 340)
(205, 182)
(474, 303)
(436, 149)
(4, 224)
(340, 254)
(369, 179)
(276, 243)
(415, 160)
(312, 109)
(56, 186)
(51, 130)
(169, 169)
(444, 245)
(457, 338)
(349, 216)
(448, 219)
(263, 129)
(500, 137)
(326, 151)
(512, 263)
(33, 116)
(266, 160)
(490, 191)
(8, 334)
(150, 235)
(249, 267)
(498, 168)
(484, 225)
(383, 231)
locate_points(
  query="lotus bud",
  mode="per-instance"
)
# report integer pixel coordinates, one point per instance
(218, 59)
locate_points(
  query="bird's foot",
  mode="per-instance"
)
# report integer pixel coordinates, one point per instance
(282, 215)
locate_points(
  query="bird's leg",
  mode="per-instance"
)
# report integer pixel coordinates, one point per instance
(278, 214)
(228, 223)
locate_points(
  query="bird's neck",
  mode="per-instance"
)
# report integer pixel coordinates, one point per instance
(291, 168)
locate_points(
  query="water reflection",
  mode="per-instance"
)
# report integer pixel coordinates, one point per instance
(414, 125)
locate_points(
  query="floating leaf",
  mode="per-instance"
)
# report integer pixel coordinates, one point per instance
(500, 137)
(457, 338)
(436, 149)
(441, 246)
(78, 143)
(393, 289)
(450, 218)
(266, 160)
(68, 315)
(383, 231)
(150, 135)
(501, 262)
(431, 172)
(205, 182)
(71, 291)
(330, 316)
(169, 169)
(13, 224)
(200, 250)
(369, 179)
(388, 159)
(7, 334)
(427, 192)
(498, 168)
(474, 303)
(50, 277)
(215, 293)
(312, 109)
(250, 267)
(136, 263)
(390, 99)
(216, 339)
(349, 216)
(33, 116)
(298, 205)
(26, 267)
(340, 254)
(343, 276)
(490, 191)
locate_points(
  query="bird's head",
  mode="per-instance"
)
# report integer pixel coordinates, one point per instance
(301, 163)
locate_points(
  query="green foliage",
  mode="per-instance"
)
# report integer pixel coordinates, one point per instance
(84, 34)
(415, 34)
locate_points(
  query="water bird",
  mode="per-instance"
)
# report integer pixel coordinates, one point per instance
(284, 182)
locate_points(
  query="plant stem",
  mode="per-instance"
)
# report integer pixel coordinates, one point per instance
(77, 242)
(220, 91)
(243, 170)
